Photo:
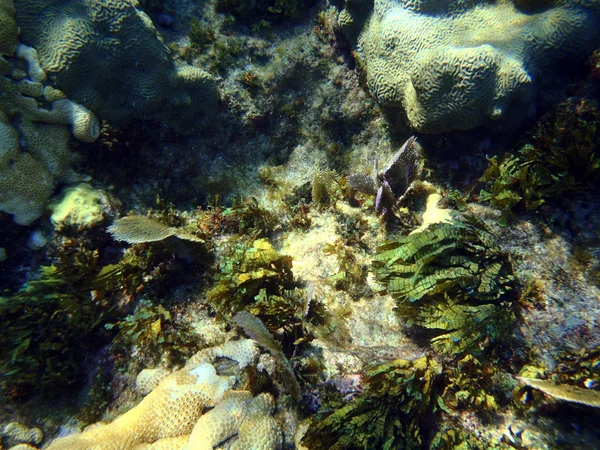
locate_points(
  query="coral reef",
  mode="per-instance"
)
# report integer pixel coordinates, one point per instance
(462, 65)
(170, 410)
(176, 413)
(33, 136)
(109, 57)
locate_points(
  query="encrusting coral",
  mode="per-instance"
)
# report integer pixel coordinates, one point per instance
(459, 65)
(109, 57)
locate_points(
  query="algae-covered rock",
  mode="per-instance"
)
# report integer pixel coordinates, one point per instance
(459, 65)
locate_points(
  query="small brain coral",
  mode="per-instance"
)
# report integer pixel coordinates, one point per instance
(459, 65)
(108, 56)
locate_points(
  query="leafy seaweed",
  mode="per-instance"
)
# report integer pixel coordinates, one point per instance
(450, 278)
(387, 415)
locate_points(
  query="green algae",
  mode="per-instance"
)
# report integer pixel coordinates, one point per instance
(388, 415)
(47, 326)
(450, 278)
(252, 273)
(563, 157)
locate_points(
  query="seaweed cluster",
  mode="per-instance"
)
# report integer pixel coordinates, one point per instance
(49, 324)
(254, 275)
(563, 158)
(450, 278)
(398, 397)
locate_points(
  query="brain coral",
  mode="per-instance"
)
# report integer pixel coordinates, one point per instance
(34, 141)
(459, 65)
(108, 56)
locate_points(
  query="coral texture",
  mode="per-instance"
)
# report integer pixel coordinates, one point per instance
(241, 420)
(171, 410)
(34, 140)
(460, 65)
(16, 433)
(173, 414)
(109, 57)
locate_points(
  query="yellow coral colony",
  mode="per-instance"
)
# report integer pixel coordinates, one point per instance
(170, 410)
(176, 414)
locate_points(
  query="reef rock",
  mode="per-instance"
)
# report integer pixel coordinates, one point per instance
(460, 65)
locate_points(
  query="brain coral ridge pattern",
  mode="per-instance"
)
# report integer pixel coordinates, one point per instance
(108, 56)
(34, 139)
(191, 409)
(459, 65)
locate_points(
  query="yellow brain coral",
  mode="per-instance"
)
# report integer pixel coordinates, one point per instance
(458, 65)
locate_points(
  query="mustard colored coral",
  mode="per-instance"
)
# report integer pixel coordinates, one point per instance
(171, 410)
(459, 65)
(176, 413)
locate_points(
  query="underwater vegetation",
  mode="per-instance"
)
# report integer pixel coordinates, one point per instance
(254, 275)
(399, 395)
(50, 324)
(451, 278)
(563, 158)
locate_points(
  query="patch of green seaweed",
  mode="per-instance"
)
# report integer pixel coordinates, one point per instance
(47, 326)
(253, 275)
(450, 278)
(399, 395)
(151, 330)
(564, 157)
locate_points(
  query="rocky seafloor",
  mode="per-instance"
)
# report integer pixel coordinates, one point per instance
(262, 257)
